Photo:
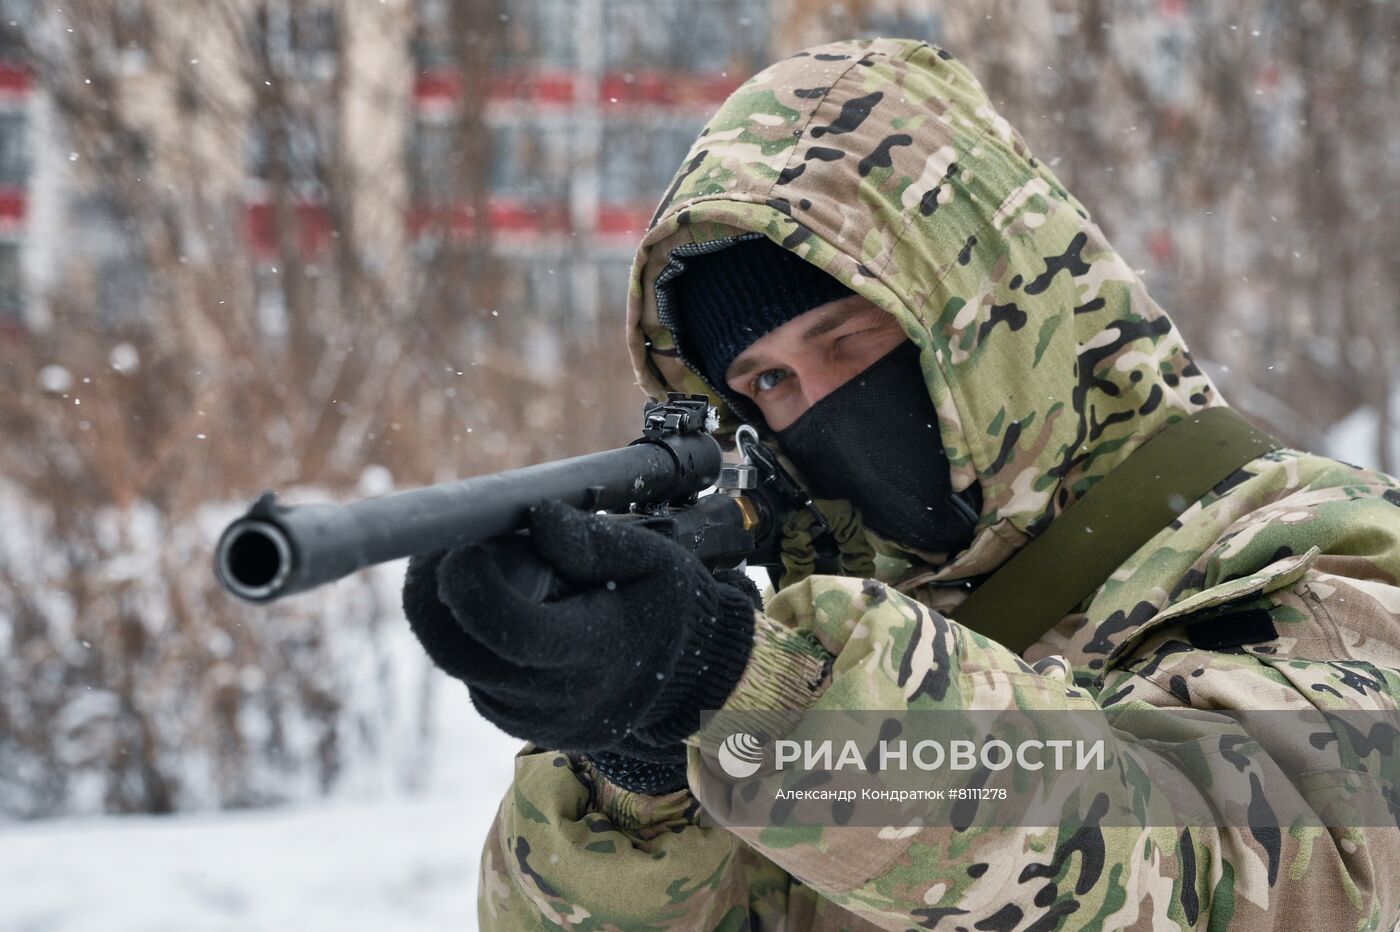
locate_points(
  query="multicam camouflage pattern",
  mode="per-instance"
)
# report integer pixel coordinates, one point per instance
(883, 162)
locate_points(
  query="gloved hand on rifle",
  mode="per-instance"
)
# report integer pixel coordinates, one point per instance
(619, 668)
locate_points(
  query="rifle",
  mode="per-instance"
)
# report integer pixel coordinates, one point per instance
(655, 481)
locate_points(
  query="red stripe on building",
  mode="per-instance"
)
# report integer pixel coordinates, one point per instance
(667, 89)
(508, 216)
(538, 87)
(14, 206)
(623, 219)
(655, 88)
(312, 229)
(505, 216)
(542, 88)
(14, 79)
(435, 84)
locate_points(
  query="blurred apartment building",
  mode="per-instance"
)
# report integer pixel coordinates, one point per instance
(587, 107)
(14, 178)
(590, 106)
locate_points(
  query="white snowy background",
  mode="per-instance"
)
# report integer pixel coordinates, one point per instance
(354, 861)
(370, 856)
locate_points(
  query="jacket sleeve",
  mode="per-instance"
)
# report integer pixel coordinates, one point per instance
(889, 652)
(570, 850)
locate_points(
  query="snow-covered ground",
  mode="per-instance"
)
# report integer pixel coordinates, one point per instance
(346, 864)
(392, 865)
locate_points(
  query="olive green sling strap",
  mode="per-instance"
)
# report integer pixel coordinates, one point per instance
(1045, 580)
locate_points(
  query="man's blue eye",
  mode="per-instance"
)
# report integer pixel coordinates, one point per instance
(769, 379)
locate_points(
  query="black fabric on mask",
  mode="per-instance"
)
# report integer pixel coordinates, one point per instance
(875, 442)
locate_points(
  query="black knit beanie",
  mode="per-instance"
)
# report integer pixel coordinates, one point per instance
(725, 300)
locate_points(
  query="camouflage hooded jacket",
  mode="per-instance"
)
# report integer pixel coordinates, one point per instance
(883, 163)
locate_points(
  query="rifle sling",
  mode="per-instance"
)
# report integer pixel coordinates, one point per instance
(1049, 577)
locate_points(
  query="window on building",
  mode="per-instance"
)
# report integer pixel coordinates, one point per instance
(633, 39)
(432, 37)
(123, 284)
(11, 283)
(720, 35)
(903, 23)
(299, 39)
(311, 31)
(101, 221)
(128, 149)
(638, 160)
(535, 34)
(14, 148)
(132, 29)
(432, 162)
(299, 153)
(532, 161)
(15, 15)
(539, 34)
(104, 247)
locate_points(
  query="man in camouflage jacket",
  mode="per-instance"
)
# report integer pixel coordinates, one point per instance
(882, 163)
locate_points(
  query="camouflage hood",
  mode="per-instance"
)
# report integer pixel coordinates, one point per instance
(883, 163)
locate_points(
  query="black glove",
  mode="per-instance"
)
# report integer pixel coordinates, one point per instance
(655, 771)
(645, 640)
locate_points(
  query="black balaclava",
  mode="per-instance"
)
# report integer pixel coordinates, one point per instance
(874, 441)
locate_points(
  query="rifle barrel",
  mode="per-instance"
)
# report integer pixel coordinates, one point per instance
(275, 550)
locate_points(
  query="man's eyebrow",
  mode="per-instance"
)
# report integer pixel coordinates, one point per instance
(744, 367)
(827, 322)
(833, 319)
